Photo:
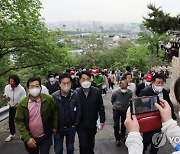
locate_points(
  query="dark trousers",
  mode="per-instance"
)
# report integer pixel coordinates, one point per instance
(104, 91)
(69, 133)
(111, 85)
(43, 146)
(87, 140)
(147, 140)
(116, 117)
(12, 113)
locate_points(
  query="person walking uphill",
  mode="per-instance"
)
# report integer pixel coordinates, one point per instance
(69, 114)
(120, 99)
(13, 92)
(98, 79)
(52, 84)
(37, 118)
(91, 107)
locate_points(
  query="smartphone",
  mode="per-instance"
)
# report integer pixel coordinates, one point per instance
(144, 104)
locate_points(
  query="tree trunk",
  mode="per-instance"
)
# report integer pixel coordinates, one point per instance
(157, 50)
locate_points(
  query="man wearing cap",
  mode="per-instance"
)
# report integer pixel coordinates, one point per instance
(141, 86)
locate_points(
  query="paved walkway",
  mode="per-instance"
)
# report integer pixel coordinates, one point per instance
(105, 142)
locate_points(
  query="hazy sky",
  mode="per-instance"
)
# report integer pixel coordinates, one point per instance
(103, 10)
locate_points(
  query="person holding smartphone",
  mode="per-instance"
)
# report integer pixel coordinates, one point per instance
(169, 126)
(157, 88)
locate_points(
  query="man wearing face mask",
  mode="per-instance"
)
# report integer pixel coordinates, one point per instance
(69, 114)
(91, 107)
(37, 118)
(120, 100)
(131, 85)
(157, 88)
(52, 85)
(13, 92)
(141, 86)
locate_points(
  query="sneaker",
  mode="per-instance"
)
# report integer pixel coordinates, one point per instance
(9, 138)
(118, 143)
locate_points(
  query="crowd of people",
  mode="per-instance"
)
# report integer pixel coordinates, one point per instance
(72, 101)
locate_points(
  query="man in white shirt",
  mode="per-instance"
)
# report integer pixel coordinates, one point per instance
(13, 92)
(44, 90)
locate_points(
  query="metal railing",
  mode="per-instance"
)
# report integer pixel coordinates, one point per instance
(4, 113)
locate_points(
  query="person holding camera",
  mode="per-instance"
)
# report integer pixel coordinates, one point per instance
(120, 100)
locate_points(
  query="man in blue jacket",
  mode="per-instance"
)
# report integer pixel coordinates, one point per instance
(91, 107)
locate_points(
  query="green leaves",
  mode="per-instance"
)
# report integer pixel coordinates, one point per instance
(137, 56)
(160, 22)
(24, 36)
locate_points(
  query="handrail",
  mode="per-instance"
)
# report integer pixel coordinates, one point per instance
(4, 113)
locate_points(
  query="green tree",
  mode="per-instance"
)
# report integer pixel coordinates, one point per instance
(159, 22)
(154, 28)
(137, 56)
(27, 47)
(25, 38)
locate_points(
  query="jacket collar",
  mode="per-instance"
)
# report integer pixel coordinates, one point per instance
(14, 88)
(26, 100)
(119, 91)
(82, 90)
(59, 96)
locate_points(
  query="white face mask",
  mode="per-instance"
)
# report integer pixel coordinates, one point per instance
(66, 89)
(34, 92)
(72, 76)
(86, 84)
(51, 79)
(123, 90)
(147, 83)
(57, 78)
(158, 88)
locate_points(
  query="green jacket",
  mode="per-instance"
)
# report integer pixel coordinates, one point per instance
(99, 81)
(49, 116)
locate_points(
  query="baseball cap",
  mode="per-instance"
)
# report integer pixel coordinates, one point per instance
(72, 72)
(148, 77)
